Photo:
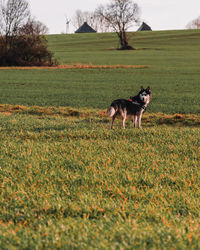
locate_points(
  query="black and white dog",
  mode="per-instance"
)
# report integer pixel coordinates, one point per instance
(133, 107)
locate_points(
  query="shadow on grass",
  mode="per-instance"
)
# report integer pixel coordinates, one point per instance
(92, 116)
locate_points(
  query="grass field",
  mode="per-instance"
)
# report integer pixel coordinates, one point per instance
(67, 181)
(173, 73)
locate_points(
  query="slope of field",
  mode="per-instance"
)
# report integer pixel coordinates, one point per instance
(159, 48)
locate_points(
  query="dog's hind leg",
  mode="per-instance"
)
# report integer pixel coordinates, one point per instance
(123, 120)
(112, 113)
(112, 121)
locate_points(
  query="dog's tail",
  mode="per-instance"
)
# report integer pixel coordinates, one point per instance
(111, 111)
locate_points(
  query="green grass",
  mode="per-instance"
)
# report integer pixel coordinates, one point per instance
(96, 88)
(70, 182)
(67, 181)
(173, 73)
(160, 48)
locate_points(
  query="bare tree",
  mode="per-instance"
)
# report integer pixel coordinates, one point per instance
(96, 21)
(13, 15)
(32, 28)
(120, 15)
(78, 19)
(99, 23)
(194, 24)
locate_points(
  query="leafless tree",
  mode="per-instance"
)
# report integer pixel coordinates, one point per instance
(32, 28)
(96, 21)
(78, 19)
(120, 15)
(194, 24)
(13, 15)
(99, 23)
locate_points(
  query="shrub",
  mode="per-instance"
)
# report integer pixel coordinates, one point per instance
(22, 39)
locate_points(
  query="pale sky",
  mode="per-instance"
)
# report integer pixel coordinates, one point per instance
(159, 14)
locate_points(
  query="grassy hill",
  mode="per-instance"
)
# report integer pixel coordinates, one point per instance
(155, 48)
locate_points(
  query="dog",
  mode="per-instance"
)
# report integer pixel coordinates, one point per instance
(134, 107)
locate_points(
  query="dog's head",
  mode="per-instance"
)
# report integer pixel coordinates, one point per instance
(145, 95)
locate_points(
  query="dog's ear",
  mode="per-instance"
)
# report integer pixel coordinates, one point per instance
(142, 88)
(148, 90)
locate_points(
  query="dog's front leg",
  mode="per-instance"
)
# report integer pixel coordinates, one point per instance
(139, 120)
(134, 120)
(123, 121)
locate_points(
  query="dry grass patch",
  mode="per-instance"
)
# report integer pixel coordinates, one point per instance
(80, 66)
(149, 119)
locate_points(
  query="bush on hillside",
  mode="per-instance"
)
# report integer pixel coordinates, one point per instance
(28, 48)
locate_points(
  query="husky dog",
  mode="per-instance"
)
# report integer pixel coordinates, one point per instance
(133, 107)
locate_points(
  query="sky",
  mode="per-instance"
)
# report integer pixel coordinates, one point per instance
(159, 14)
